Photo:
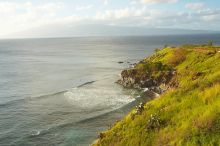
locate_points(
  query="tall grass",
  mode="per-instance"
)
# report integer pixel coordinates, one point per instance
(188, 115)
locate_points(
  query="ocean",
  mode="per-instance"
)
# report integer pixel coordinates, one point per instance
(62, 91)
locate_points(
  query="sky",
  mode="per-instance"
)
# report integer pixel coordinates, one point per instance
(20, 15)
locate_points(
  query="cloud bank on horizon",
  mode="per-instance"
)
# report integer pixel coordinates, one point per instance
(21, 15)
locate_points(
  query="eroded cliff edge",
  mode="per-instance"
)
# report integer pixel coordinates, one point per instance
(188, 113)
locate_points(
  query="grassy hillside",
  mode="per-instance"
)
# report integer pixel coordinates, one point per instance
(187, 114)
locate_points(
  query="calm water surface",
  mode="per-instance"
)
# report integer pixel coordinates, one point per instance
(62, 92)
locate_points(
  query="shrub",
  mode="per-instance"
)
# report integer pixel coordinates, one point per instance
(152, 67)
(154, 122)
(157, 49)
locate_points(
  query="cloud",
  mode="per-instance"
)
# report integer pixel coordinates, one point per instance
(82, 8)
(20, 16)
(195, 6)
(105, 2)
(120, 13)
(149, 17)
(157, 1)
(209, 15)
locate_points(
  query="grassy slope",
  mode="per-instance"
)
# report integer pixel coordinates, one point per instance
(187, 115)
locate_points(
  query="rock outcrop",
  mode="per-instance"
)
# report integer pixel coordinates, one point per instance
(157, 80)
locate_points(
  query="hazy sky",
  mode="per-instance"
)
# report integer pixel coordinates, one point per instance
(19, 15)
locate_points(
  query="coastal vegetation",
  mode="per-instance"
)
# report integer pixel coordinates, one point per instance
(186, 113)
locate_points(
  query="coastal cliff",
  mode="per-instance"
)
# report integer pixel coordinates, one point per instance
(188, 110)
(155, 76)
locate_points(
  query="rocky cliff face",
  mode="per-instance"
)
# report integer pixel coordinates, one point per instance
(158, 80)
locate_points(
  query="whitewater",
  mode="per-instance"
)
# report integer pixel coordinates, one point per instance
(62, 91)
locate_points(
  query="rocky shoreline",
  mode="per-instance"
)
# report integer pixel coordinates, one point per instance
(145, 80)
(189, 74)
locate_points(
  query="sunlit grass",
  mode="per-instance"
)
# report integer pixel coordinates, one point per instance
(188, 115)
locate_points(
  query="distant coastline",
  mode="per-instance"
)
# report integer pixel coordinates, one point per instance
(103, 31)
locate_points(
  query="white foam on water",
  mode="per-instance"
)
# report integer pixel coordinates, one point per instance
(145, 89)
(35, 133)
(97, 98)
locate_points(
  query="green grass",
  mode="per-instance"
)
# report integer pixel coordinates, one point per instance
(188, 115)
(152, 69)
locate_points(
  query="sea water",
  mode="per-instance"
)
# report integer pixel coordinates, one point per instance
(62, 91)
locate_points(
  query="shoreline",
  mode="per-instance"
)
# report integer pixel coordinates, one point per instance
(162, 73)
